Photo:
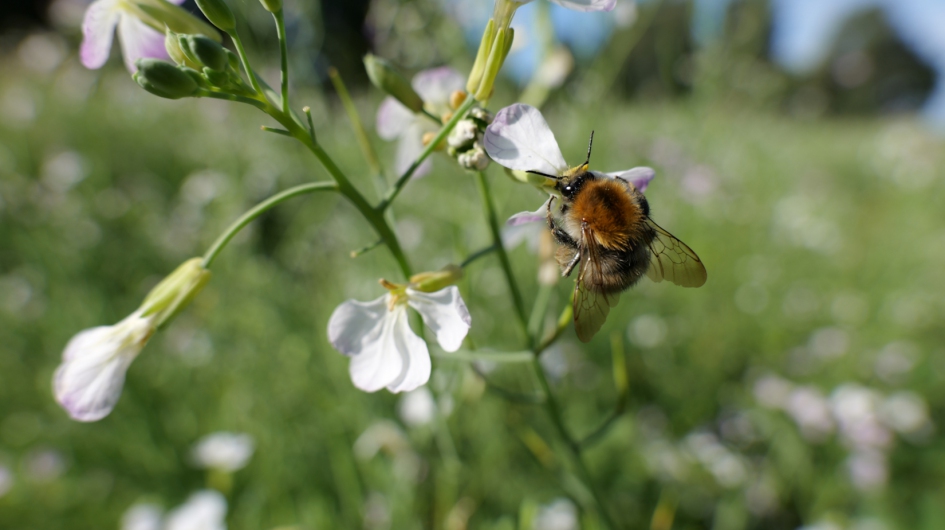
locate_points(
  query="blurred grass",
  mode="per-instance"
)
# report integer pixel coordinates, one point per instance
(803, 226)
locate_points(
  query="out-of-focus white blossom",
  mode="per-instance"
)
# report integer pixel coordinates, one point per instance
(204, 510)
(142, 516)
(856, 409)
(397, 122)
(559, 514)
(868, 469)
(772, 391)
(417, 407)
(226, 451)
(810, 410)
(905, 412)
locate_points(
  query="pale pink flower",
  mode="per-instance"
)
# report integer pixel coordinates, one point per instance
(138, 40)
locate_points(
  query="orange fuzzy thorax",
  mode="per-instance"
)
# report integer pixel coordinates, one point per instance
(609, 212)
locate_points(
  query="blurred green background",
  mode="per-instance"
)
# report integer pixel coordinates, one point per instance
(802, 385)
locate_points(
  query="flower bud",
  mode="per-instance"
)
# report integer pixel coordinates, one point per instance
(218, 13)
(207, 52)
(474, 159)
(273, 6)
(164, 79)
(174, 51)
(457, 98)
(430, 282)
(463, 135)
(384, 76)
(176, 291)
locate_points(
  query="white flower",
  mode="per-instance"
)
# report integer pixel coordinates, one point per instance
(226, 451)
(384, 351)
(88, 382)
(395, 121)
(138, 40)
(579, 5)
(142, 516)
(560, 514)
(811, 412)
(417, 407)
(204, 510)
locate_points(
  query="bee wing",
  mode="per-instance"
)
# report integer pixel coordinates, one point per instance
(673, 260)
(590, 305)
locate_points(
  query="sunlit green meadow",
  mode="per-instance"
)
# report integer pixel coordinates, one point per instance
(824, 245)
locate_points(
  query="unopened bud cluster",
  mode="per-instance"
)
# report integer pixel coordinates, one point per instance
(201, 64)
(464, 143)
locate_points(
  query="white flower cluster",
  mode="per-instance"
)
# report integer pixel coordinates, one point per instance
(864, 418)
(465, 141)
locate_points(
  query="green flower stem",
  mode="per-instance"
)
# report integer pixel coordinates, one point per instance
(476, 255)
(574, 449)
(258, 210)
(450, 125)
(492, 220)
(242, 53)
(539, 309)
(283, 49)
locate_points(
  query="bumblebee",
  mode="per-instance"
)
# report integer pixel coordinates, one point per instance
(604, 225)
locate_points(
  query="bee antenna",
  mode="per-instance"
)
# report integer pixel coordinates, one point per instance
(590, 144)
(555, 177)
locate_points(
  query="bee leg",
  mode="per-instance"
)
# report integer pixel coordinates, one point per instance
(574, 261)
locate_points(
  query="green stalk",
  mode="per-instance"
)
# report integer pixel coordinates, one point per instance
(450, 125)
(243, 57)
(258, 210)
(283, 48)
(574, 449)
(492, 220)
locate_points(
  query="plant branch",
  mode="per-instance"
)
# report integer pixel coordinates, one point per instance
(493, 222)
(258, 210)
(444, 132)
(283, 49)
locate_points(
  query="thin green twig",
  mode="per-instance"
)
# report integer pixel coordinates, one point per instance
(450, 125)
(258, 210)
(493, 222)
(366, 148)
(283, 49)
(245, 59)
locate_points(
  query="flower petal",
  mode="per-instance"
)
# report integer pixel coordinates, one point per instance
(409, 148)
(204, 510)
(519, 138)
(640, 177)
(384, 351)
(353, 324)
(436, 84)
(537, 216)
(98, 29)
(139, 41)
(587, 5)
(445, 313)
(415, 356)
(393, 118)
(89, 381)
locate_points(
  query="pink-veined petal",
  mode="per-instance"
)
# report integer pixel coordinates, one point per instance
(436, 84)
(640, 177)
(98, 29)
(519, 138)
(587, 5)
(139, 41)
(445, 313)
(177, 2)
(89, 381)
(537, 216)
(393, 119)
(409, 148)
